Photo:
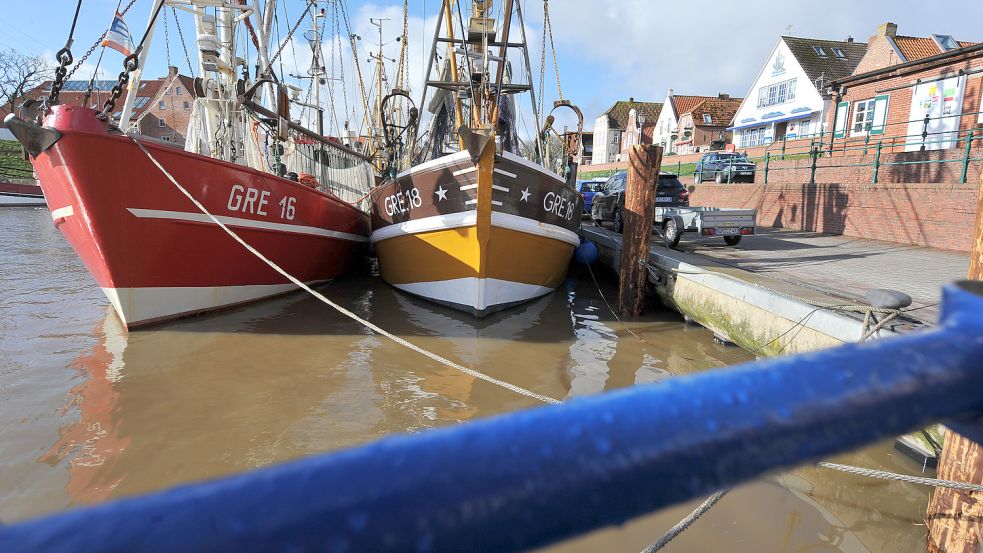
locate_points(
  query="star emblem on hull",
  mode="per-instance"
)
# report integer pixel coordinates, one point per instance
(526, 194)
(441, 193)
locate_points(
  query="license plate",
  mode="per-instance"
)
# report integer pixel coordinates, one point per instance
(728, 231)
(664, 199)
(746, 173)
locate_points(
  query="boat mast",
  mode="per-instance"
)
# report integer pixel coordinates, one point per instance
(134, 83)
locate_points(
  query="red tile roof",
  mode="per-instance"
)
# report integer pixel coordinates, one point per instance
(721, 111)
(916, 47)
(685, 104)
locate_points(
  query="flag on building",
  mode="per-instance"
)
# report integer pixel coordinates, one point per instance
(118, 36)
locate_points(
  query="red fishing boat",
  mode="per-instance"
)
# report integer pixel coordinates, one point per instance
(152, 251)
(116, 193)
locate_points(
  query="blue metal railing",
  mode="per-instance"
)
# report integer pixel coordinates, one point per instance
(530, 478)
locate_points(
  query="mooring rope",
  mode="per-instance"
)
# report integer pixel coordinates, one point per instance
(682, 525)
(884, 475)
(379, 330)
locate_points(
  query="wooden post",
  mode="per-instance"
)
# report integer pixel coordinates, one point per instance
(644, 162)
(955, 518)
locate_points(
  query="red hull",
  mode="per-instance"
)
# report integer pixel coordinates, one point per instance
(154, 253)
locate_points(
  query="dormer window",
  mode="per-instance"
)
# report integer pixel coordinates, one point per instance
(839, 53)
(946, 42)
(707, 119)
(819, 51)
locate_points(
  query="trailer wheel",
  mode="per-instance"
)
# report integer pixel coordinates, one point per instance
(670, 229)
(732, 240)
(698, 177)
(619, 223)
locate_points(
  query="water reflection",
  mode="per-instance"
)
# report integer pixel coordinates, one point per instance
(89, 413)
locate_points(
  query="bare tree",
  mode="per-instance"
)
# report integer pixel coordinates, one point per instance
(19, 74)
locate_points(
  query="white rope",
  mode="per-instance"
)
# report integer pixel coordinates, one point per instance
(470, 372)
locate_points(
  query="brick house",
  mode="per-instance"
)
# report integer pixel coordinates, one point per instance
(666, 131)
(704, 126)
(902, 80)
(162, 108)
(622, 125)
(787, 99)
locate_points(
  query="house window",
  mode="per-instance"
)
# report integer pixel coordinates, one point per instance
(777, 93)
(707, 119)
(160, 104)
(178, 90)
(187, 105)
(863, 117)
(804, 127)
(946, 42)
(839, 53)
(819, 51)
(161, 123)
(753, 137)
(166, 138)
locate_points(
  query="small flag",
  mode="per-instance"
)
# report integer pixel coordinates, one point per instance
(118, 36)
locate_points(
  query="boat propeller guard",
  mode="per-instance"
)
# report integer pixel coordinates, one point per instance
(34, 138)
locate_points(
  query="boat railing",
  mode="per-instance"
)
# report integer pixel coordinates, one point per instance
(534, 477)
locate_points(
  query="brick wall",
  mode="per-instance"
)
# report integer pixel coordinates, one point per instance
(934, 215)
(176, 111)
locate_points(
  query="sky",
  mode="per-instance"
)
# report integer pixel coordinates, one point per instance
(607, 50)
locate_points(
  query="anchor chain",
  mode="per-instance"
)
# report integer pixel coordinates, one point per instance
(64, 57)
(130, 64)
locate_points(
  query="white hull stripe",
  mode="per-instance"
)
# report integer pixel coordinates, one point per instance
(244, 223)
(500, 188)
(427, 224)
(460, 172)
(470, 202)
(450, 159)
(149, 304)
(478, 293)
(504, 172)
(469, 187)
(62, 212)
(469, 219)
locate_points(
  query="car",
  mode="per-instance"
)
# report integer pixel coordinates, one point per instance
(587, 189)
(609, 202)
(724, 167)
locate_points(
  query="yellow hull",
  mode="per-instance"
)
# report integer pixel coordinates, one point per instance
(477, 237)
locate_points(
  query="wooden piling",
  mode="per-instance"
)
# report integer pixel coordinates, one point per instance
(955, 517)
(644, 162)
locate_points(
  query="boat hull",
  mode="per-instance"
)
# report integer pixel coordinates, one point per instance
(479, 237)
(155, 254)
(14, 194)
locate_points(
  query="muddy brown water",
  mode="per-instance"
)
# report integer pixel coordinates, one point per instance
(89, 413)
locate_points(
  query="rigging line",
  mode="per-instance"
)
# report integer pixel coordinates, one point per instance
(310, 3)
(556, 64)
(405, 343)
(467, 61)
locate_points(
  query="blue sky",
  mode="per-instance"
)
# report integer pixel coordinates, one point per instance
(608, 49)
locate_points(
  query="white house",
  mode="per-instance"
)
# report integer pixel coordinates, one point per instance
(667, 133)
(787, 99)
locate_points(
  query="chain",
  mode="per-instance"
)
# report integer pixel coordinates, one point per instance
(556, 64)
(290, 34)
(64, 57)
(167, 42)
(130, 64)
(184, 46)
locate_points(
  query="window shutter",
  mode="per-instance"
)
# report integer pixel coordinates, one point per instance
(841, 121)
(880, 114)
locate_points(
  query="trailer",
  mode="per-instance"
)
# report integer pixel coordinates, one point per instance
(730, 223)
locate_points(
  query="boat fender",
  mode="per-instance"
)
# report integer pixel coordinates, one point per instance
(586, 252)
